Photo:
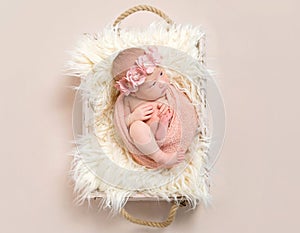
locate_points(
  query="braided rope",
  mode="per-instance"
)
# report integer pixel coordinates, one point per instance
(163, 224)
(143, 8)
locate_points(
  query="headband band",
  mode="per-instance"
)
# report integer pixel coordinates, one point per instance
(136, 75)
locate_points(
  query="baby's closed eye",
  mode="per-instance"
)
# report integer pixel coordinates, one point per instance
(153, 84)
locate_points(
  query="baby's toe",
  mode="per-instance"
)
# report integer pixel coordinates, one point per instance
(180, 158)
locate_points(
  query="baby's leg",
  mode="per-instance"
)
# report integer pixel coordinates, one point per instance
(143, 137)
(161, 131)
(144, 140)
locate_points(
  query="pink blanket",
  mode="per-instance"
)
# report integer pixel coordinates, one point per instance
(181, 131)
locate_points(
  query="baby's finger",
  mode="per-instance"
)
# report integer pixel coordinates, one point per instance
(146, 117)
(149, 109)
(170, 113)
(163, 109)
(162, 106)
(149, 112)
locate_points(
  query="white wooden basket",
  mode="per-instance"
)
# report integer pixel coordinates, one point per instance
(87, 62)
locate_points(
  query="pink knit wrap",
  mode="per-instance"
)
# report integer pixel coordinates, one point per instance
(181, 131)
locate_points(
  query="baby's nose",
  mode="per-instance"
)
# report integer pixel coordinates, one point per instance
(161, 84)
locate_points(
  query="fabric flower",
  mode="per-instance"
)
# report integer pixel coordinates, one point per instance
(149, 61)
(153, 55)
(122, 86)
(145, 64)
(136, 75)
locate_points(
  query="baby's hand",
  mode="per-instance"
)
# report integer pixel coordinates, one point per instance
(142, 112)
(163, 108)
(166, 117)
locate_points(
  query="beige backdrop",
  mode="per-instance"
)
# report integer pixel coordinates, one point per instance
(253, 47)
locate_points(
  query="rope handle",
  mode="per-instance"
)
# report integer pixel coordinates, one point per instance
(163, 224)
(200, 44)
(142, 8)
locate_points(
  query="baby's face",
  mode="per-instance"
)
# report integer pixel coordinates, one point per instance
(155, 85)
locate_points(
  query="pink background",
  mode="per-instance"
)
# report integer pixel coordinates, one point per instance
(252, 46)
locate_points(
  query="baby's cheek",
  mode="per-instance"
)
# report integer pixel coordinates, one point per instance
(166, 78)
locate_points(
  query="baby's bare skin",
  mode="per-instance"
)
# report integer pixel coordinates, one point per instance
(156, 119)
(150, 102)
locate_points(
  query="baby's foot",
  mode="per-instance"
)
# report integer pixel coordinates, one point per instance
(162, 127)
(168, 160)
(164, 119)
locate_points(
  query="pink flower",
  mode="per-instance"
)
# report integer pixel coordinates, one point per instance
(125, 87)
(145, 64)
(153, 55)
(129, 83)
(136, 75)
(122, 87)
(149, 61)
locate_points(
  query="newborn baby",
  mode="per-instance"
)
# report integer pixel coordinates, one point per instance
(147, 114)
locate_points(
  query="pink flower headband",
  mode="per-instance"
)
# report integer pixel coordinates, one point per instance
(136, 75)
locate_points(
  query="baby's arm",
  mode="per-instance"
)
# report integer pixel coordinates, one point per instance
(141, 113)
(127, 113)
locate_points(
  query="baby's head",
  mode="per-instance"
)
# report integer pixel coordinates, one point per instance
(137, 73)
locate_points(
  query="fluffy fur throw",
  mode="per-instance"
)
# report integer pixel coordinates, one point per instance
(101, 166)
